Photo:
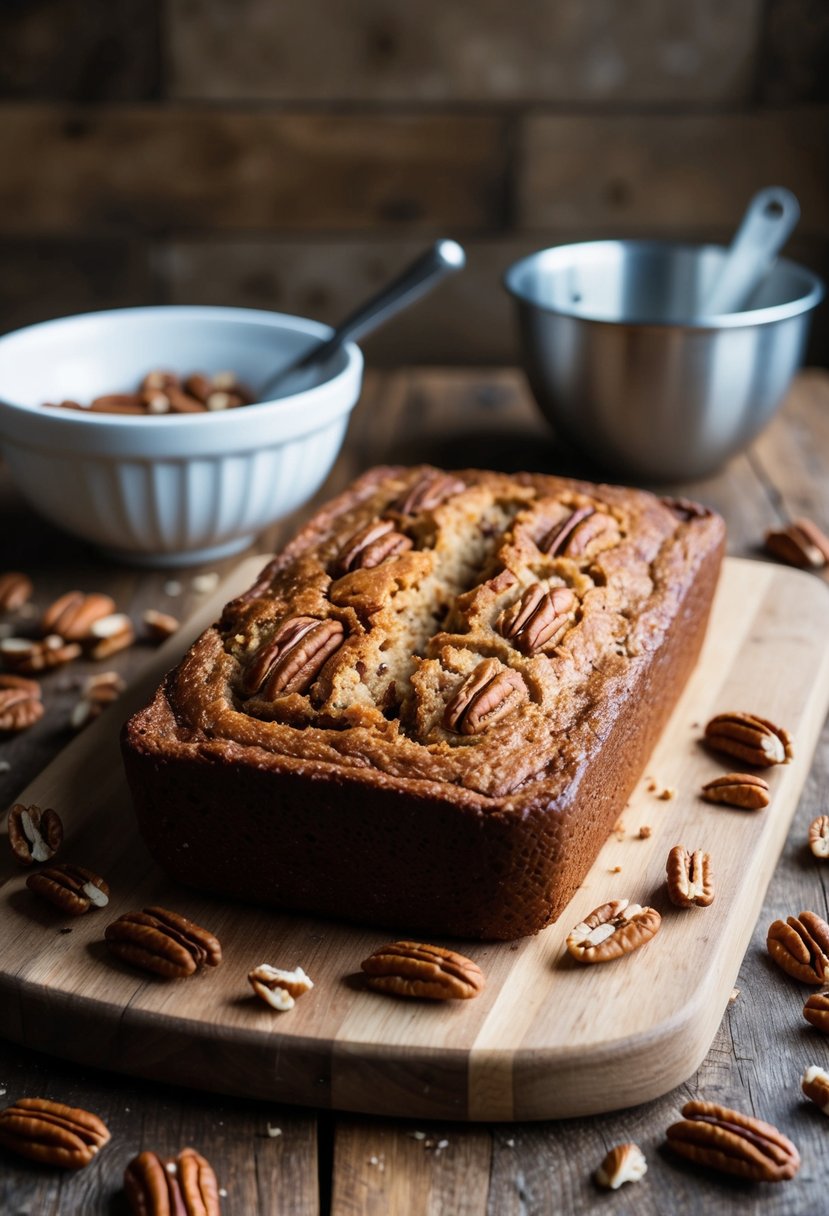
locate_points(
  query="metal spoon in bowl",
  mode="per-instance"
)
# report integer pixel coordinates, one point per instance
(769, 219)
(443, 258)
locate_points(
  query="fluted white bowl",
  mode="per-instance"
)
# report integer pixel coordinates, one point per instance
(169, 489)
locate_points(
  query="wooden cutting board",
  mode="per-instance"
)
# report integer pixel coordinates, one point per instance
(547, 1038)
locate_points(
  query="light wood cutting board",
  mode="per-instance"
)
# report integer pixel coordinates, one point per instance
(547, 1038)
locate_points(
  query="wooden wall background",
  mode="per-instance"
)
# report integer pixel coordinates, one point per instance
(293, 156)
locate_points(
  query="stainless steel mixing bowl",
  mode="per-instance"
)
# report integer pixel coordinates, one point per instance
(627, 371)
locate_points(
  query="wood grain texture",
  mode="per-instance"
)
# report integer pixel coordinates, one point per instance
(499, 1057)
(634, 51)
(148, 170)
(641, 168)
(762, 1045)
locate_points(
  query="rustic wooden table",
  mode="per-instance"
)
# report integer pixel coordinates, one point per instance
(272, 1159)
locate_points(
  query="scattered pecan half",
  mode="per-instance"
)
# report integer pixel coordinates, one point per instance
(429, 491)
(539, 619)
(753, 739)
(162, 942)
(815, 1085)
(73, 614)
(172, 1186)
(624, 1163)
(30, 655)
(690, 879)
(52, 1133)
(733, 1143)
(34, 835)
(743, 790)
(98, 692)
(418, 970)
(71, 888)
(370, 546)
(279, 988)
(819, 836)
(20, 703)
(486, 696)
(801, 543)
(159, 625)
(110, 634)
(800, 946)
(614, 929)
(15, 590)
(294, 657)
(816, 1011)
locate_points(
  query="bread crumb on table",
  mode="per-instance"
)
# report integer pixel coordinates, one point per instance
(667, 794)
(645, 831)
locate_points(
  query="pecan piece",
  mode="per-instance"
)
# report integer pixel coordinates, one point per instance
(800, 946)
(614, 929)
(743, 790)
(279, 988)
(816, 1011)
(486, 696)
(690, 879)
(801, 543)
(15, 590)
(624, 1163)
(185, 1185)
(370, 546)
(29, 655)
(418, 970)
(539, 619)
(750, 738)
(162, 942)
(73, 614)
(159, 625)
(574, 535)
(429, 491)
(686, 508)
(34, 835)
(733, 1143)
(72, 889)
(52, 1133)
(819, 836)
(110, 634)
(815, 1085)
(20, 703)
(294, 657)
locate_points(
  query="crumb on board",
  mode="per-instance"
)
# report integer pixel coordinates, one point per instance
(202, 584)
(619, 829)
(645, 831)
(274, 1131)
(735, 992)
(667, 795)
(650, 785)
(615, 870)
(172, 587)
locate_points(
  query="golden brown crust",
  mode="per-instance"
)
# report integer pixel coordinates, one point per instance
(370, 712)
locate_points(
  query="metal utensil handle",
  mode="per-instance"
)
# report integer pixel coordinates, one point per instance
(767, 223)
(443, 258)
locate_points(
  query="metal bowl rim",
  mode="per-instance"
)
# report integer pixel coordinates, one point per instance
(735, 320)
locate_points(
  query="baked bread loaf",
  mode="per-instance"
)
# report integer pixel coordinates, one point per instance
(431, 707)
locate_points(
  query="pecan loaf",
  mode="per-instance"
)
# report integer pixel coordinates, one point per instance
(431, 707)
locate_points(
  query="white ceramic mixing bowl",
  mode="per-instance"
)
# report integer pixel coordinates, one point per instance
(169, 489)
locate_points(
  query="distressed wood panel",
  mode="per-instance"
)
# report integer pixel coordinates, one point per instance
(795, 52)
(670, 172)
(144, 169)
(47, 277)
(80, 50)
(468, 319)
(389, 50)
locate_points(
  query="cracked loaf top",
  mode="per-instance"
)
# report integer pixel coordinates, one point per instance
(470, 628)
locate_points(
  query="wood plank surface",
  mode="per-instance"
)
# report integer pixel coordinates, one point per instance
(535, 1169)
(500, 1057)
